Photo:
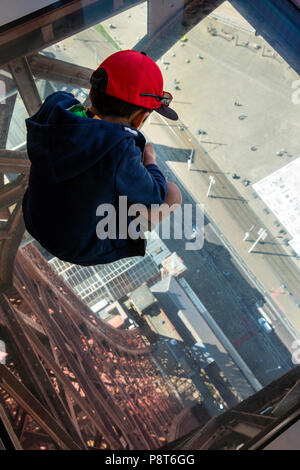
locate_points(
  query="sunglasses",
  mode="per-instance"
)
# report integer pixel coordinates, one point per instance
(165, 99)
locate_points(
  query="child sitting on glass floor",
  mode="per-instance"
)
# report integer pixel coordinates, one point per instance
(85, 159)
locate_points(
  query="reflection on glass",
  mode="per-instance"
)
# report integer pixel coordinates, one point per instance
(214, 325)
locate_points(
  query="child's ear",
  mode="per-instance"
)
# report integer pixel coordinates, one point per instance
(138, 119)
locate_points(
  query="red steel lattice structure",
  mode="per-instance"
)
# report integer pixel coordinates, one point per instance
(98, 383)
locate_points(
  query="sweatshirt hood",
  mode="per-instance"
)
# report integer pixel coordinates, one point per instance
(64, 145)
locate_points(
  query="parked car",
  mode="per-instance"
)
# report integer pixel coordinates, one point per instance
(265, 325)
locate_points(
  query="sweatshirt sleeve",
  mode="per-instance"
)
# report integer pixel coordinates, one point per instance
(144, 185)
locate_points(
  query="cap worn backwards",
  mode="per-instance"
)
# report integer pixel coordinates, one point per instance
(132, 74)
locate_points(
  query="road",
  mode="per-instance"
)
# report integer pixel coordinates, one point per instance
(229, 298)
(239, 211)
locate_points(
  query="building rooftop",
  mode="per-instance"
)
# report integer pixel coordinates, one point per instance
(142, 298)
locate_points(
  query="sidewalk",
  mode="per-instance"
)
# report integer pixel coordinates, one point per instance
(197, 186)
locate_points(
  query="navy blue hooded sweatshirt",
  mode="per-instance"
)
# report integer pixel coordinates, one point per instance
(78, 163)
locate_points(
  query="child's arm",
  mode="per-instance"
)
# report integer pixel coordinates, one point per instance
(149, 155)
(141, 181)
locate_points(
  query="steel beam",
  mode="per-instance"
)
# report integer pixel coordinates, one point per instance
(12, 161)
(60, 23)
(13, 441)
(59, 71)
(33, 325)
(277, 22)
(6, 108)
(160, 12)
(20, 422)
(12, 192)
(251, 418)
(35, 370)
(34, 408)
(21, 72)
(291, 399)
(43, 20)
(10, 246)
(176, 21)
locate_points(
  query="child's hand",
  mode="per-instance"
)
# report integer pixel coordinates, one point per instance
(149, 155)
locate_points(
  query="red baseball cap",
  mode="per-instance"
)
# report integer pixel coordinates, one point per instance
(135, 78)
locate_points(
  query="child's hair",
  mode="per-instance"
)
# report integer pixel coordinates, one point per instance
(107, 105)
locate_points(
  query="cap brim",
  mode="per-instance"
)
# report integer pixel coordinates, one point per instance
(167, 112)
